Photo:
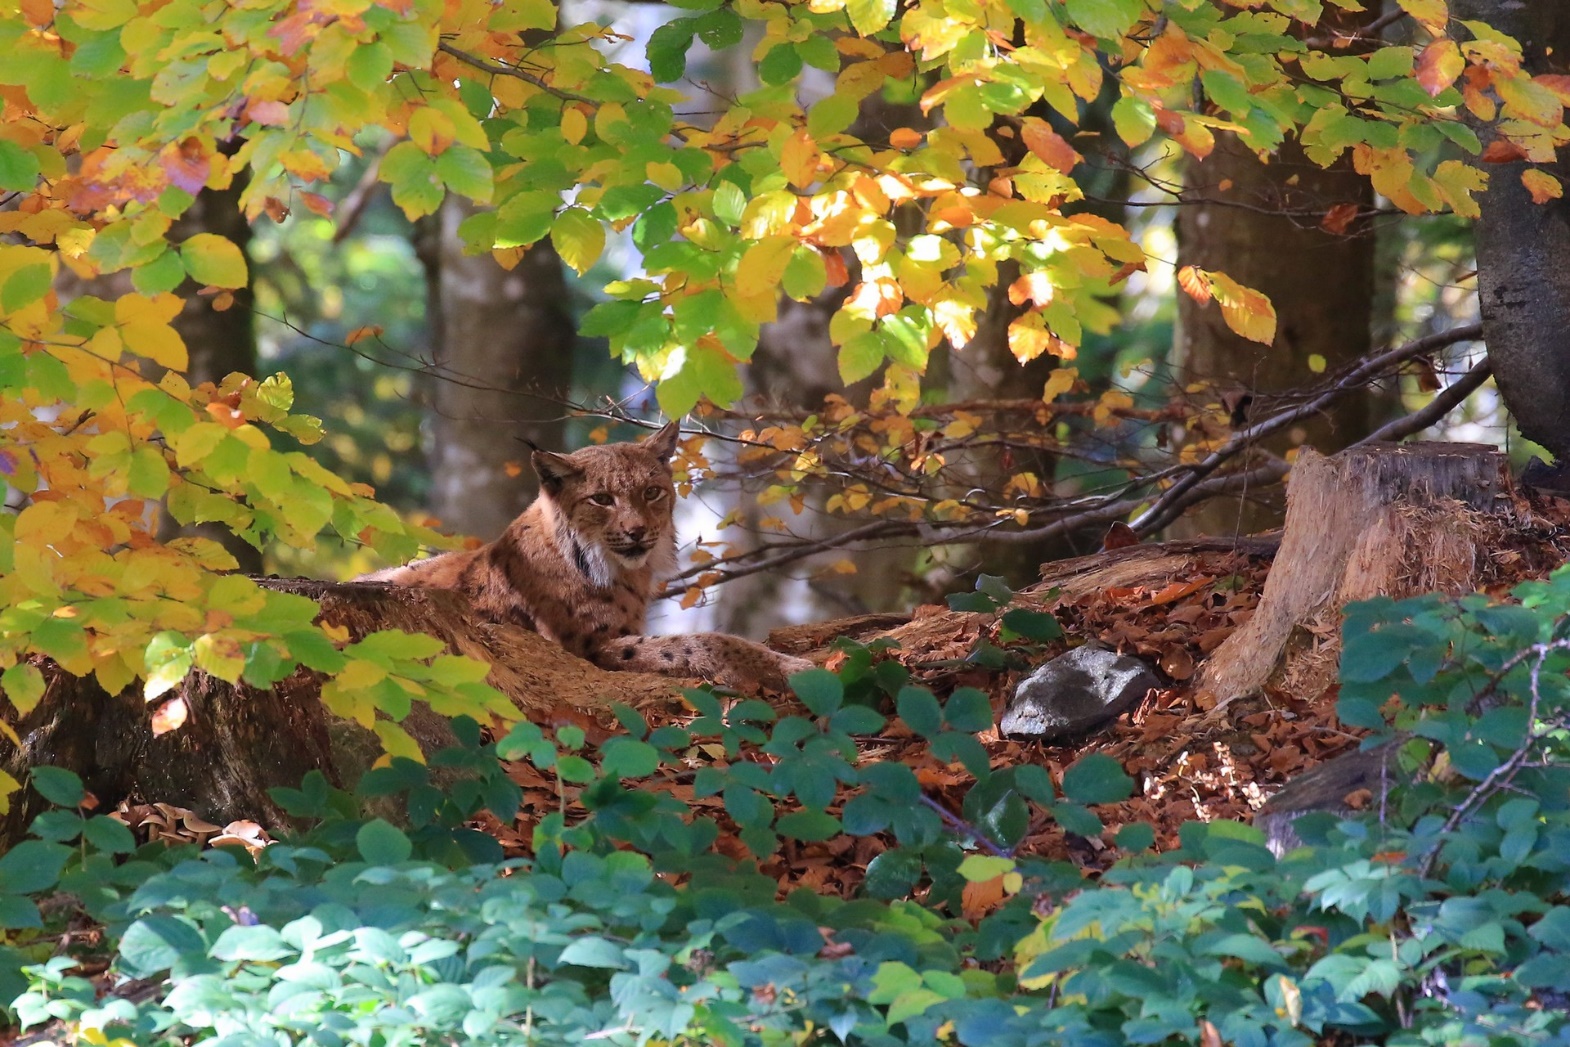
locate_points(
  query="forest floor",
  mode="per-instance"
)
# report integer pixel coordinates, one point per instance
(1172, 609)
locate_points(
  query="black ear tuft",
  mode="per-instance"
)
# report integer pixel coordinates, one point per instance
(554, 470)
(663, 443)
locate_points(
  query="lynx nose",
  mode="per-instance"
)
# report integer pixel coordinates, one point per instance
(637, 534)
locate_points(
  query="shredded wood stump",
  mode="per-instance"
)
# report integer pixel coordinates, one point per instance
(1379, 520)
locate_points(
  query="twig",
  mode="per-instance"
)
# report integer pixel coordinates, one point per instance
(500, 69)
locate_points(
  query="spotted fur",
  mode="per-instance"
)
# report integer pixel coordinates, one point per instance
(581, 564)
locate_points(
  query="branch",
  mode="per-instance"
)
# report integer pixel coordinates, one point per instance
(1437, 408)
(501, 69)
(1354, 377)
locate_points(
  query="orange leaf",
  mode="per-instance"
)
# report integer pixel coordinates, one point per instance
(1194, 283)
(361, 333)
(1502, 151)
(799, 159)
(1338, 218)
(1439, 65)
(1032, 287)
(905, 138)
(316, 203)
(268, 112)
(1542, 185)
(978, 899)
(169, 716)
(1048, 145)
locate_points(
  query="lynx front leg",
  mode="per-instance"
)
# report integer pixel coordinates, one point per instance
(728, 661)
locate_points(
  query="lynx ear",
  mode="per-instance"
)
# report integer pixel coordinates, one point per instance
(554, 470)
(663, 443)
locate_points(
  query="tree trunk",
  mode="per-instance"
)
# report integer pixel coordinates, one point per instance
(1379, 520)
(504, 343)
(1259, 224)
(238, 742)
(220, 341)
(1523, 249)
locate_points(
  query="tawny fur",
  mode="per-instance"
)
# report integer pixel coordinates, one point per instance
(582, 573)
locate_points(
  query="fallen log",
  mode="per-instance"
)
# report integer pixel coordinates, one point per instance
(237, 742)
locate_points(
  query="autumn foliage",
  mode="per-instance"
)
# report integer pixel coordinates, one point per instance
(117, 113)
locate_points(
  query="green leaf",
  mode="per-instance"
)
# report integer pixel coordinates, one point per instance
(870, 16)
(19, 168)
(808, 826)
(1097, 778)
(860, 356)
(382, 843)
(158, 943)
(256, 942)
(1076, 819)
(109, 835)
(214, 260)
(25, 286)
(819, 690)
(919, 710)
(24, 686)
(1035, 626)
(668, 47)
(32, 866)
(1136, 836)
(623, 757)
(893, 873)
(978, 868)
(1108, 19)
(968, 710)
(593, 951)
(466, 171)
(57, 785)
(780, 66)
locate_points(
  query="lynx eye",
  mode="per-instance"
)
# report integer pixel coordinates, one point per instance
(603, 498)
(653, 494)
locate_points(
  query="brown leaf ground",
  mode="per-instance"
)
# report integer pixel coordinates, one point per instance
(1170, 604)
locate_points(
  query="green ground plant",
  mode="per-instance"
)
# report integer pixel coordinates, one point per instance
(1439, 916)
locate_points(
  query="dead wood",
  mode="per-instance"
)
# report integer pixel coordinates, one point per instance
(1378, 520)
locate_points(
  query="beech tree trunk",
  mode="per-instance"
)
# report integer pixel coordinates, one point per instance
(1260, 224)
(1523, 249)
(219, 341)
(504, 341)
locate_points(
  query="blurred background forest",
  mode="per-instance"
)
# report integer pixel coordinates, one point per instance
(430, 366)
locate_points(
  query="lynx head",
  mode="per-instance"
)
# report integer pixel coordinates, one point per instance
(616, 503)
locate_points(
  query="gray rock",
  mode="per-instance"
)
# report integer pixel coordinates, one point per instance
(1077, 692)
(1325, 788)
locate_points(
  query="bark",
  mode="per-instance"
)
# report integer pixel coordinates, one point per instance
(1379, 520)
(504, 343)
(1263, 231)
(220, 342)
(238, 742)
(1523, 249)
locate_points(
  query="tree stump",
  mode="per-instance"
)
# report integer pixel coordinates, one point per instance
(1377, 520)
(237, 742)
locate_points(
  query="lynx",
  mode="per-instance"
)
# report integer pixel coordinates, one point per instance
(581, 563)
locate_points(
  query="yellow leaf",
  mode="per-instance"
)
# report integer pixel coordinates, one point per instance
(431, 130)
(763, 266)
(220, 656)
(1246, 311)
(1060, 381)
(579, 238)
(397, 741)
(213, 260)
(574, 125)
(1439, 65)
